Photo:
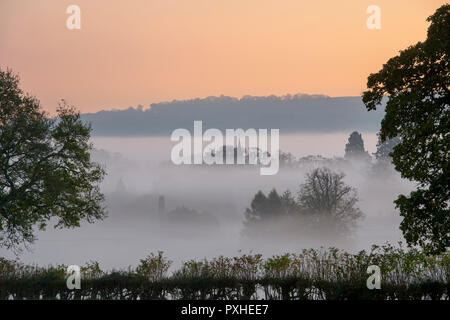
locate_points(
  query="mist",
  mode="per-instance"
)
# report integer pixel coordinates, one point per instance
(195, 212)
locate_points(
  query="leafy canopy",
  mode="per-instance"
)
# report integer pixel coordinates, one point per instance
(416, 84)
(45, 167)
(324, 197)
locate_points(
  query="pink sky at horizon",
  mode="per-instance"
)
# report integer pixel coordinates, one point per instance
(142, 52)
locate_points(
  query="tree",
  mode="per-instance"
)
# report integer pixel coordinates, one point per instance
(384, 149)
(325, 196)
(354, 149)
(185, 215)
(325, 207)
(263, 207)
(416, 86)
(273, 205)
(288, 203)
(287, 159)
(45, 167)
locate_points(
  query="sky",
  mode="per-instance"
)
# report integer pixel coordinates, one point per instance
(143, 51)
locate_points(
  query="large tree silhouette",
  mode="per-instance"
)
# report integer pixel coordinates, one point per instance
(45, 167)
(416, 85)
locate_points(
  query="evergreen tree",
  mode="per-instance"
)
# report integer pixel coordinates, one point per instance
(384, 149)
(354, 149)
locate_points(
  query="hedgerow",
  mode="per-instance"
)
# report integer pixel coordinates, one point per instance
(309, 275)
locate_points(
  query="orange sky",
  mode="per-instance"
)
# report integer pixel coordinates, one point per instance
(141, 51)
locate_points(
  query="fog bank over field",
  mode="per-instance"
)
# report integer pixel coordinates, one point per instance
(203, 207)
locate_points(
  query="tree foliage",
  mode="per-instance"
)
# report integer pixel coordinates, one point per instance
(263, 207)
(385, 148)
(45, 167)
(354, 149)
(416, 84)
(323, 198)
(325, 195)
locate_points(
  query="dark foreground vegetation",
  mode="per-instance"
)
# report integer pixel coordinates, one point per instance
(312, 274)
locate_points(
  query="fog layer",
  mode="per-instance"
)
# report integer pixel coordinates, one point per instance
(202, 209)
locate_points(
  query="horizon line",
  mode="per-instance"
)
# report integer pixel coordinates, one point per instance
(285, 97)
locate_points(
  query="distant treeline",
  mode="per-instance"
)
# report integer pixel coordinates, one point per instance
(290, 114)
(312, 274)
